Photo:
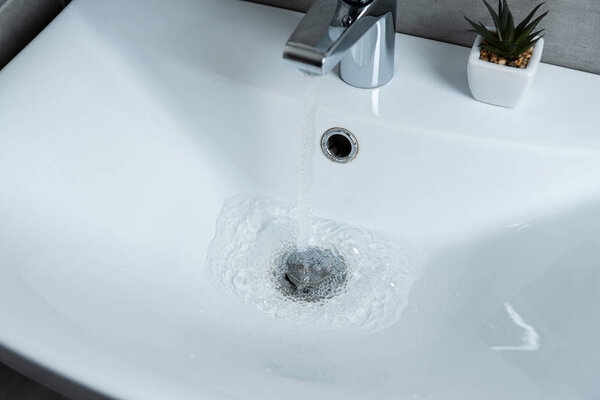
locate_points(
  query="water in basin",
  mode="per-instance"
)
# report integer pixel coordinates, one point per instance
(254, 232)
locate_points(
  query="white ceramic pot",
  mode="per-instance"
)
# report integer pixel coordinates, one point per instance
(499, 84)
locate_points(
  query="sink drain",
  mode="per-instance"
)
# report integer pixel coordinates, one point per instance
(311, 274)
(339, 145)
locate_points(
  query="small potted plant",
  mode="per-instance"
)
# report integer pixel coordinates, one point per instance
(504, 59)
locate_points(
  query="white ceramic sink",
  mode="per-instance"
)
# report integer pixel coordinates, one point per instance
(125, 126)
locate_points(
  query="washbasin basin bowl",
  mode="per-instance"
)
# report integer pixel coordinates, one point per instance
(118, 156)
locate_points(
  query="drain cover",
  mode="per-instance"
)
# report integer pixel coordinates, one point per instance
(312, 274)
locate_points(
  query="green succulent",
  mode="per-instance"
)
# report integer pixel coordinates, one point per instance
(507, 40)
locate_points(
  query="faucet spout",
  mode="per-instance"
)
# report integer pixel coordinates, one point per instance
(356, 34)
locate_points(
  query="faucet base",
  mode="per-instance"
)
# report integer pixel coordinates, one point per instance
(356, 34)
(370, 62)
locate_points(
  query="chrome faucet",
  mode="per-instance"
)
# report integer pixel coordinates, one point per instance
(357, 34)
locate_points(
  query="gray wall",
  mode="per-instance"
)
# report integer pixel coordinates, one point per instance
(572, 26)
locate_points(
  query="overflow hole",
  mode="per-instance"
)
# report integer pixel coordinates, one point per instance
(339, 145)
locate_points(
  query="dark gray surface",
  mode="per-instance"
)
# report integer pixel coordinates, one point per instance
(14, 386)
(572, 26)
(19, 383)
(21, 21)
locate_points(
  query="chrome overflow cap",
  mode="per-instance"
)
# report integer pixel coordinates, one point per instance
(339, 145)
